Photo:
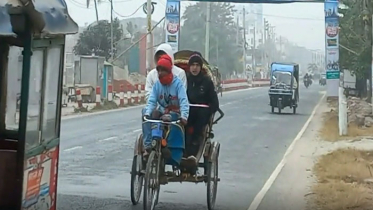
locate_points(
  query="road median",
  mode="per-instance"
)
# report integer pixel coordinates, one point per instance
(72, 110)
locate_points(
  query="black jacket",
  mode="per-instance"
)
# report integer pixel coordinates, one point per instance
(201, 90)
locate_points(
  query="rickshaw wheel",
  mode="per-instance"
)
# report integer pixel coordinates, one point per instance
(151, 186)
(279, 105)
(294, 110)
(137, 179)
(272, 109)
(212, 181)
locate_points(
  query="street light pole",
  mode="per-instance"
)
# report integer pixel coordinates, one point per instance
(207, 34)
(244, 39)
(111, 30)
(149, 45)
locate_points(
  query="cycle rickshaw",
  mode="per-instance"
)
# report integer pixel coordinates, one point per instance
(151, 173)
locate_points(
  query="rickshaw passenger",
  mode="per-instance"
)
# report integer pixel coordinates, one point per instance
(169, 93)
(200, 90)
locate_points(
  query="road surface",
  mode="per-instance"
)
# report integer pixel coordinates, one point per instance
(96, 154)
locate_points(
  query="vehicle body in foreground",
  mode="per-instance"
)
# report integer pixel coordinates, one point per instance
(284, 86)
(31, 100)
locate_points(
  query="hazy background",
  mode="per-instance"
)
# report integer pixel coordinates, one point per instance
(301, 23)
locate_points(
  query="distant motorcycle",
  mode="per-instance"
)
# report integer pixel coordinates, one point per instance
(322, 81)
(307, 82)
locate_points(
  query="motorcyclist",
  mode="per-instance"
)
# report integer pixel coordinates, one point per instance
(201, 90)
(306, 76)
(169, 94)
(306, 79)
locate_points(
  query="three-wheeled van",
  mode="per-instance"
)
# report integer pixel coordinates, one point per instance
(284, 86)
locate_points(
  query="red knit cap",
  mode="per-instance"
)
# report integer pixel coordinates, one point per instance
(166, 62)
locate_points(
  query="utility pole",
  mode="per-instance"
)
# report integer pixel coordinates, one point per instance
(217, 52)
(265, 44)
(254, 50)
(238, 30)
(342, 105)
(207, 34)
(244, 40)
(371, 71)
(366, 18)
(111, 29)
(149, 43)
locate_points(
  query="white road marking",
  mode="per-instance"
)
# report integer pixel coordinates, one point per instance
(73, 148)
(259, 197)
(240, 90)
(137, 130)
(108, 139)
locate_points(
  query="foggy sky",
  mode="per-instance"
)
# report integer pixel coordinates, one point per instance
(301, 23)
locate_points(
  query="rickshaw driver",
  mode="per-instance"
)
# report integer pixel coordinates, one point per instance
(152, 76)
(169, 93)
(201, 90)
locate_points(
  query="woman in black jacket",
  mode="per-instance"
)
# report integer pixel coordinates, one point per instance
(201, 90)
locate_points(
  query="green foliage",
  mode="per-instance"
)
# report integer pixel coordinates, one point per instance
(355, 36)
(223, 34)
(96, 39)
(312, 67)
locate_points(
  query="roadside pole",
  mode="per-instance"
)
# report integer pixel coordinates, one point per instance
(342, 106)
(371, 71)
(207, 34)
(149, 46)
(111, 30)
(244, 40)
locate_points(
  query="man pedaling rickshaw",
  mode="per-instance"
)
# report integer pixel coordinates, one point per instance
(153, 77)
(168, 96)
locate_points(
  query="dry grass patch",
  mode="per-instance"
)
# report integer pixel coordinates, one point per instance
(330, 131)
(341, 180)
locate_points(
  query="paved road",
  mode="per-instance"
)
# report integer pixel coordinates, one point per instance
(96, 155)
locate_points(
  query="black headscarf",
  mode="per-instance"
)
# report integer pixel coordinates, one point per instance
(196, 57)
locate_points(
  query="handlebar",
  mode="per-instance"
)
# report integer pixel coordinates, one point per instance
(199, 105)
(220, 117)
(161, 121)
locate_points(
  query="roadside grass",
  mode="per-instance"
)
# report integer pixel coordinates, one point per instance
(342, 180)
(330, 132)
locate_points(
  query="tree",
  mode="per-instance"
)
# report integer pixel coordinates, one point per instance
(96, 39)
(356, 53)
(223, 34)
(312, 67)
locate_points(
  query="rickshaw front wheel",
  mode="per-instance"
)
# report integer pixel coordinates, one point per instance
(137, 179)
(151, 186)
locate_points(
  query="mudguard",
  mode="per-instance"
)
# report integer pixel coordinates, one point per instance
(214, 151)
(138, 145)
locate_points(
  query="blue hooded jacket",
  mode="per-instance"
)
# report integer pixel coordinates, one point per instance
(166, 95)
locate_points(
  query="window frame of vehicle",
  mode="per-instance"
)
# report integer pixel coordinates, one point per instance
(47, 135)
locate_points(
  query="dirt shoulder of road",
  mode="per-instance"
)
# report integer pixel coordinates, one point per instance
(335, 174)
